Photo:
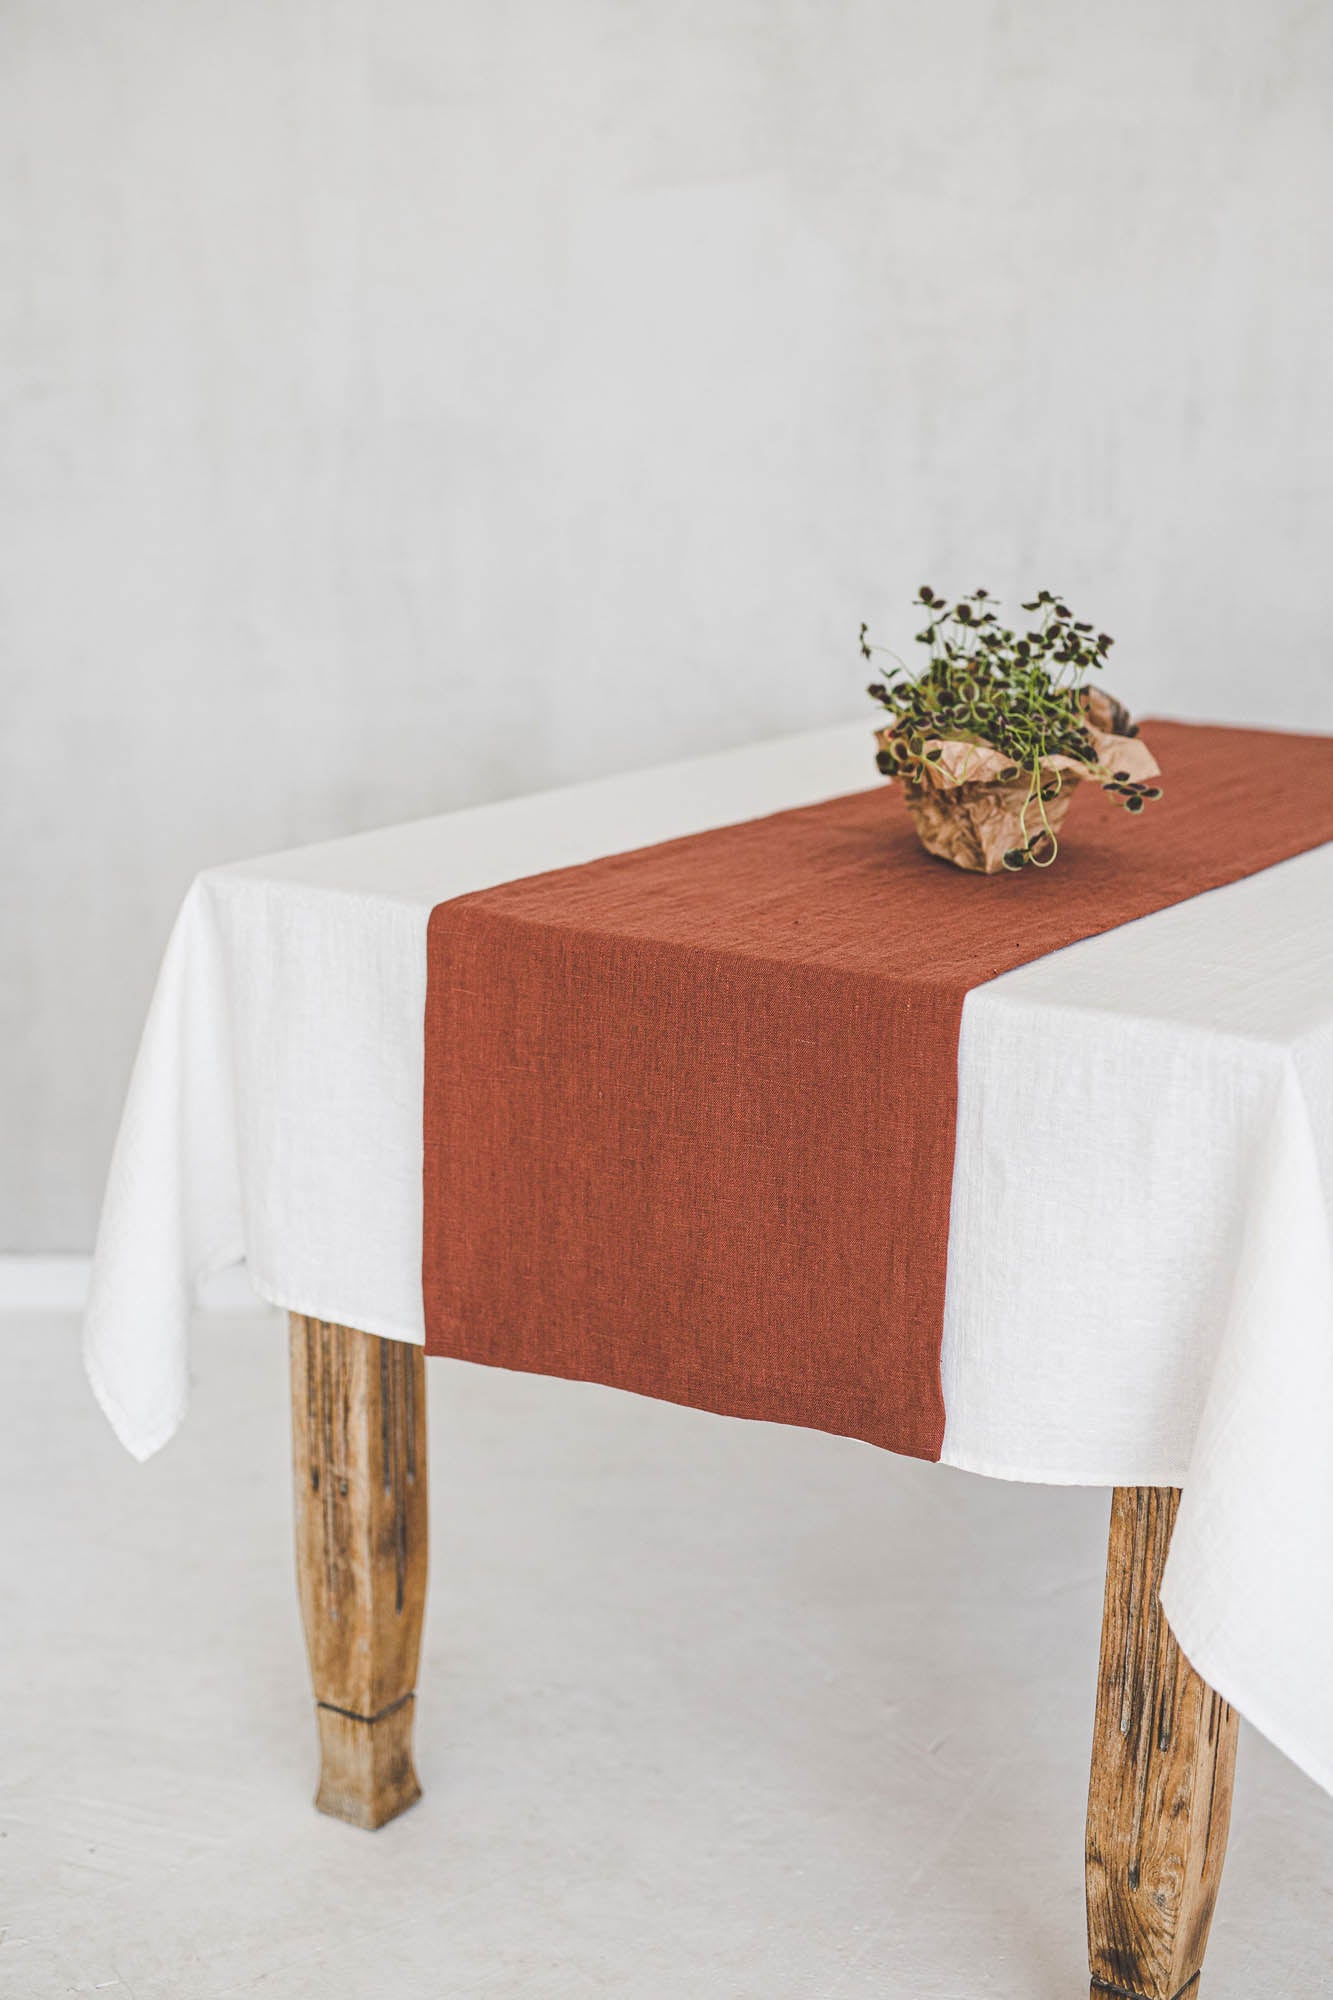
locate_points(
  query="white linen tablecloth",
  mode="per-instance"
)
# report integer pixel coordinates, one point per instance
(1140, 1281)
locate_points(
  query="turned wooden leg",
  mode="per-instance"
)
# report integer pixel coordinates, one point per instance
(359, 1446)
(1163, 1755)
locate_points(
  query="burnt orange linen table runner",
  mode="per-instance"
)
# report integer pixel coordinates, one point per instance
(689, 1111)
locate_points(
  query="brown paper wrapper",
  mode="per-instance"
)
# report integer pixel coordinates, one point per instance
(967, 813)
(975, 825)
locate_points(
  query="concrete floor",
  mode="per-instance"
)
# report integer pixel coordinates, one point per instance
(710, 1711)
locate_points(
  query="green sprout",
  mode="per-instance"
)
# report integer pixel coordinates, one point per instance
(1024, 694)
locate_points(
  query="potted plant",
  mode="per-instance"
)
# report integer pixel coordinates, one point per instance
(993, 736)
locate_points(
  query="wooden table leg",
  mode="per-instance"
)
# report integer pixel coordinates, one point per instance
(1163, 1755)
(359, 1447)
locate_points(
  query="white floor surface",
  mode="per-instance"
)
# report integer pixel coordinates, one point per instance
(708, 1711)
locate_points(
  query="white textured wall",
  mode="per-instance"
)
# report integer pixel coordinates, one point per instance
(411, 403)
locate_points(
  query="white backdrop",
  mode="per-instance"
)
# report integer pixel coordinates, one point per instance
(408, 404)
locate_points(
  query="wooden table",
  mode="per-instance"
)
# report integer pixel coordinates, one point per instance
(275, 1116)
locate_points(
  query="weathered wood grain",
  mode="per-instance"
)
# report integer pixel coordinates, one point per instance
(1159, 1801)
(359, 1452)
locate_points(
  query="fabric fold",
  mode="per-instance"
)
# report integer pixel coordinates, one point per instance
(173, 1213)
(1240, 1589)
